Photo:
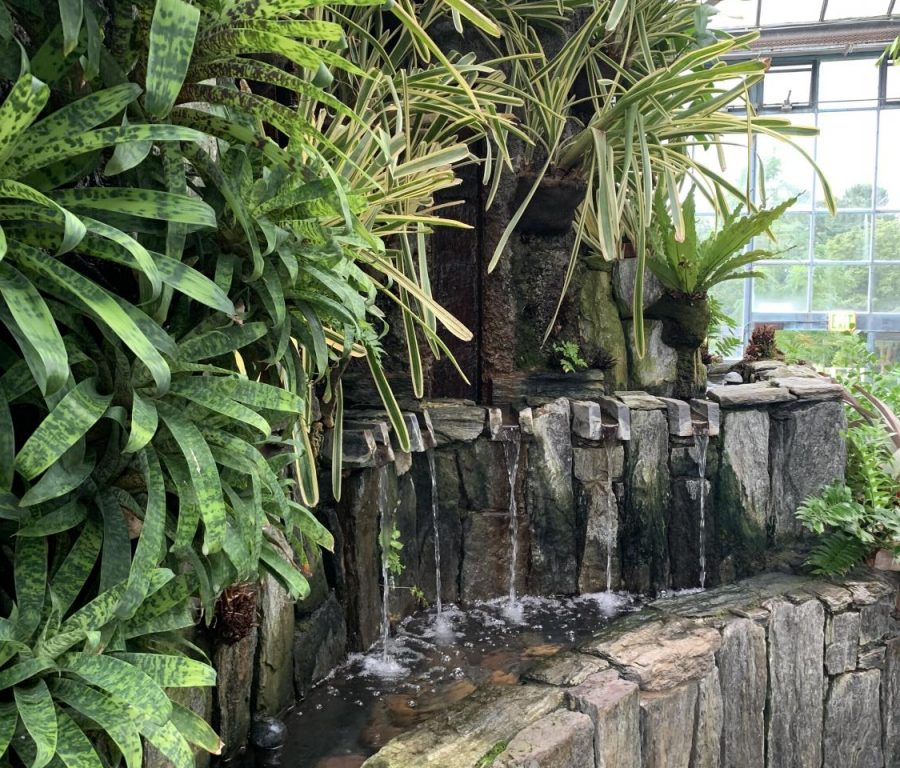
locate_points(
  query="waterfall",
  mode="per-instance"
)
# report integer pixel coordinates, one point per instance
(703, 444)
(385, 535)
(437, 534)
(511, 450)
(612, 517)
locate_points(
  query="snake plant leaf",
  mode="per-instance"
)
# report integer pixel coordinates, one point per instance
(30, 574)
(63, 519)
(204, 476)
(168, 740)
(144, 423)
(103, 304)
(64, 426)
(71, 14)
(151, 543)
(71, 576)
(192, 283)
(38, 714)
(173, 594)
(7, 444)
(221, 342)
(294, 581)
(172, 34)
(143, 203)
(195, 729)
(188, 506)
(264, 396)
(73, 228)
(72, 747)
(122, 680)
(214, 393)
(63, 477)
(179, 618)
(8, 719)
(141, 256)
(106, 712)
(24, 103)
(171, 671)
(36, 322)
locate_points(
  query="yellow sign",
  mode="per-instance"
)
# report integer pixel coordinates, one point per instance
(842, 321)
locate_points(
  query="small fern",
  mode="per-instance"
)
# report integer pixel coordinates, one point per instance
(837, 553)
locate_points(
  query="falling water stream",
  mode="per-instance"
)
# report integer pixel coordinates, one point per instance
(612, 514)
(437, 537)
(385, 533)
(511, 450)
(703, 445)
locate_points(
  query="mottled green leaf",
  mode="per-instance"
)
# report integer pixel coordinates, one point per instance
(8, 719)
(172, 34)
(286, 572)
(195, 729)
(150, 547)
(221, 342)
(38, 714)
(104, 305)
(214, 393)
(141, 255)
(63, 477)
(143, 203)
(124, 681)
(57, 521)
(30, 571)
(64, 426)
(192, 283)
(36, 322)
(7, 444)
(97, 613)
(71, 576)
(71, 13)
(24, 103)
(204, 474)
(115, 557)
(172, 671)
(144, 423)
(24, 670)
(106, 712)
(73, 747)
(73, 228)
(171, 743)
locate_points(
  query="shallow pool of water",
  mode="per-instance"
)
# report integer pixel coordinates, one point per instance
(431, 664)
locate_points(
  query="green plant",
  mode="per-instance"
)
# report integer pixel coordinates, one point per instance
(688, 267)
(762, 344)
(569, 357)
(720, 344)
(391, 547)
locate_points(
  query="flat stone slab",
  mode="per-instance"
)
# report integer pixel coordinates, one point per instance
(662, 654)
(773, 370)
(463, 735)
(566, 670)
(809, 388)
(455, 422)
(749, 395)
(641, 401)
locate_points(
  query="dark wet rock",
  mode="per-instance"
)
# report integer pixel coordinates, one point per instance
(320, 643)
(876, 621)
(742, 493)
(684, 458)
(482, 468)
(684, 531)
(667, 727)
(566, 669)
(890, 703)
(743, 678)
(267, 733)
(749, 395)
(597, 514)
(643, 536)
(406, 520)
(841, 642)
(661, 654)
(561, 738)
(613, 705)
(234, 684)
(795, 684)
(550, 502)
(807, 453)
(624, 274)
(852, 736)
(487, 556)
(708, 721)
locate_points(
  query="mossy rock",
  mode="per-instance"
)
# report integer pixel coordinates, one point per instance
(685, 320)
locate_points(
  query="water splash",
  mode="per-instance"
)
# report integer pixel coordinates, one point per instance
(612, 518)
(437, 537)
(511, 451)
(703, 444)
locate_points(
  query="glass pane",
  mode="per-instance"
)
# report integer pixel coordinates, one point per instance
(782, 290)
(889, 159)
(730, 296)
(791, 241)
(705, 225)
(847, 82)
(886, 288)
(791, 85)
(840, 288)
(846, 154)
(893, 82)
(888, 351)
(788, 173)
(733, 14)
(734, 151)
(843, 237)
(776, 12)
(887, 237)
(850, 9)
